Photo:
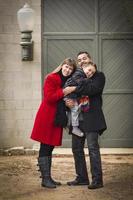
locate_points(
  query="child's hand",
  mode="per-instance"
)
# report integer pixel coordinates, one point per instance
(70, 103)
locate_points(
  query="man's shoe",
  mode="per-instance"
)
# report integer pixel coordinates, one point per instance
(95, 185)
(77, 182)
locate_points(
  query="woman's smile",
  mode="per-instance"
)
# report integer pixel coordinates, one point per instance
(67, 70)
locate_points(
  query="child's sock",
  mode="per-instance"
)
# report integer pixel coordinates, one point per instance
(77, 131)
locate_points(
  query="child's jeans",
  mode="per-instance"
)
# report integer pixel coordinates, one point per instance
(75, 114)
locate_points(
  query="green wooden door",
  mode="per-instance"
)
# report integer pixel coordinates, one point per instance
(104, 29)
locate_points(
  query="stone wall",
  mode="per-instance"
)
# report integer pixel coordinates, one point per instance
(20, 81)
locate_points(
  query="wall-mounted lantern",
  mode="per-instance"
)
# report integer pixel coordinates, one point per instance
(26, 22)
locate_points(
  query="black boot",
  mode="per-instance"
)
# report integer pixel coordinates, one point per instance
(78, 181)
(45, 169)
(95, 185)
(81, 170)
(55, 182)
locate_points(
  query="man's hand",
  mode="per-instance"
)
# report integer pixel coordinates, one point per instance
(69, 103)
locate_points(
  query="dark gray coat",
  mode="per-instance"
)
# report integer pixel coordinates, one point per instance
(75, 80)
(93, 120)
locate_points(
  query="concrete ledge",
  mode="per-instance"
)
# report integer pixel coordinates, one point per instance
(104, 151)
(63, 151)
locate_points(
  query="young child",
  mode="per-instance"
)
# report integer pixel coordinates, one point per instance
(80, 103)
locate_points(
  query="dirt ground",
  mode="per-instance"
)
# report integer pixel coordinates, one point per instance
(19, 179)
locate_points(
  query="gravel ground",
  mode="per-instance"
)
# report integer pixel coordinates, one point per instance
(19, 179)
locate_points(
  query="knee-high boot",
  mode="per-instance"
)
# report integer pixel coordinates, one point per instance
(55, 182)
(44, 164)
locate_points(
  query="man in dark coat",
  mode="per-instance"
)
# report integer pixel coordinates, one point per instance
(92, 124)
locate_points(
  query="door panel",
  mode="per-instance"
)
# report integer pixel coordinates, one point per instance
(119, 116)
(116, 62)
(116, 16)
(69, 16)
(60, 48)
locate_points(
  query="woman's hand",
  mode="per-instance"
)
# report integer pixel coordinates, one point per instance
(69, 90)
(69, 103)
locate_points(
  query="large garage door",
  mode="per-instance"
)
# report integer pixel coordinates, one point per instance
(104, 29)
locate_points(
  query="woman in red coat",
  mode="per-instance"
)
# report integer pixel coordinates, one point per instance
(45, 130)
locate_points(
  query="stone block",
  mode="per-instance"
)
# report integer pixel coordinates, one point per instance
(29, 152)
(16, 151)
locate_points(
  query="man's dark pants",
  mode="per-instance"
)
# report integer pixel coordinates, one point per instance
(94, 154)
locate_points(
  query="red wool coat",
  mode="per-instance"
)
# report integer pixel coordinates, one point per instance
(44, 130)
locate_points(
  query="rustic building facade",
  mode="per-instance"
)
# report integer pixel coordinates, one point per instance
(20, 82)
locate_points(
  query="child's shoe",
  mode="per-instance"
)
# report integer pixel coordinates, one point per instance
(77, 131)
